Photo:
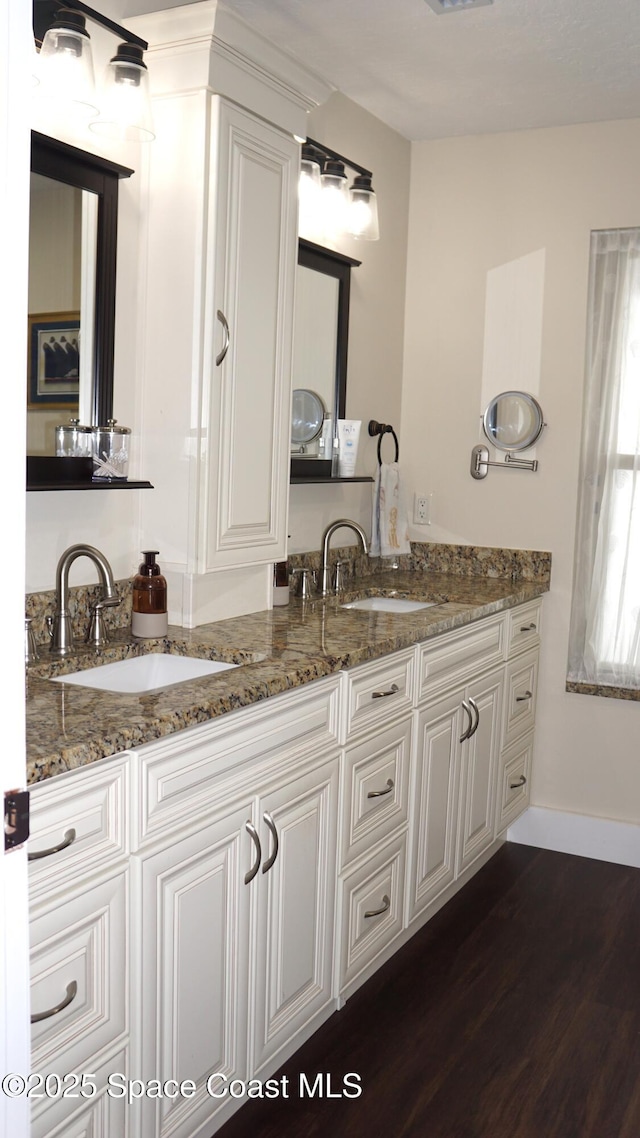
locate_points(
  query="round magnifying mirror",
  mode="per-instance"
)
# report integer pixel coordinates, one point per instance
(513, 420)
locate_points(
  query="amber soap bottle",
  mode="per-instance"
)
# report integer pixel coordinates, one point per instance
(149, 608)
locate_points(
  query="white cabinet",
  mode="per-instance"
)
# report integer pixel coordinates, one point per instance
(248, 329)
(80, 969)
(236, 891)
(374, 812)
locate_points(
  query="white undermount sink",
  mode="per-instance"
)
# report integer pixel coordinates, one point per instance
(389, 604)
(144, 673)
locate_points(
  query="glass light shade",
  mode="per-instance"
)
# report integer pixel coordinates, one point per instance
(363, 210)
(335, 199)
(65, 63)
(126, 106)
(309, 195)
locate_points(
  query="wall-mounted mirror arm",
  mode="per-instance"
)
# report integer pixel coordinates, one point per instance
(480, 462)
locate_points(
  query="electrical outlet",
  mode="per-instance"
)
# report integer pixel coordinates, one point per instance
(422, 509)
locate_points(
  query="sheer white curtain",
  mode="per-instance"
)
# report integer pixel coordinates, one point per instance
(605, 617)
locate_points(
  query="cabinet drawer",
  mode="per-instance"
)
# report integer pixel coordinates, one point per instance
(514, 782)
(523, 626)
(375, 788)
(377, 691)
(457, 656)
(100, 1115)
(78, 825)
(520, 696)
(78, 958)
(192, 774)
(371, 906)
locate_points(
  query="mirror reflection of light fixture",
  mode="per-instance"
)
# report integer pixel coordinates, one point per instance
(65, 71)
(328, 207)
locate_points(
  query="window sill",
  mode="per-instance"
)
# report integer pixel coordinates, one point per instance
(607, 690)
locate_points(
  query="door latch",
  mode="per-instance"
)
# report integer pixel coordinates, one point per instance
(16, 819)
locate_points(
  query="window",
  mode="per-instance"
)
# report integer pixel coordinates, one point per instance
(605, 616)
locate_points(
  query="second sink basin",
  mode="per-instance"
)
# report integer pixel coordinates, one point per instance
(389, 604)
(144, 673)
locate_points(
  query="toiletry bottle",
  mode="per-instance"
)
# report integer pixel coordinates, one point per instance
(149, 609)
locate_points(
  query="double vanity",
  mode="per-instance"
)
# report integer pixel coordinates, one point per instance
(221, 861)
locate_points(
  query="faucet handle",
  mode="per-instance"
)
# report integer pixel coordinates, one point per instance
(97, 634)
(341, 575)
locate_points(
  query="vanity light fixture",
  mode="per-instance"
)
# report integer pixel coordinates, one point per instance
(65, 71)
(328, 207)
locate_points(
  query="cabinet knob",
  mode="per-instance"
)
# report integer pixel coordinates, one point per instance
(522, 698)
(528, 627)
(521, 782)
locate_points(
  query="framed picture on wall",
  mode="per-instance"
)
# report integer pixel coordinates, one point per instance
(54, 359)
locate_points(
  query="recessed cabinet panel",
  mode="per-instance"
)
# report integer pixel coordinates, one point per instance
(195, 910)
(253, 255)
(80, 942)
(521, 691)
(478, 762)
(434, 798)
(376, 793)
(296, 897)
(99, 1116)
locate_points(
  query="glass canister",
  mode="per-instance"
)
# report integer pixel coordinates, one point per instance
(111, 451)
(73, 440)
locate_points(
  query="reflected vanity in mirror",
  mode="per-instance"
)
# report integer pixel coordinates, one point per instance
(72, 293)
(512, 422)
(320, 348)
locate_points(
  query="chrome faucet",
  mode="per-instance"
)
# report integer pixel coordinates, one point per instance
(60, 626)
(324, 584)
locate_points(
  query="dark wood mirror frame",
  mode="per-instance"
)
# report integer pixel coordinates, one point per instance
(64, 163)
(337, 265)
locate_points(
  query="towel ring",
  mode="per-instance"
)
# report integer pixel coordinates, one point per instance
(381, 429)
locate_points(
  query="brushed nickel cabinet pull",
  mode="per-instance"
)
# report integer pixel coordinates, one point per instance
(521, 782)
(72, 988)
(474, 707)
(69, 837)
(386, 904)
(466, 734)
(269, 822)
(253, 834)
(522, 698)
(381, 694)
(528, 627)
(225, 343)
(379, 793)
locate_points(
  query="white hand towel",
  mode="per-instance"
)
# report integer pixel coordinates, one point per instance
(389, 525)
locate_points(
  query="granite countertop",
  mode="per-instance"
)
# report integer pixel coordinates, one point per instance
(69, 725)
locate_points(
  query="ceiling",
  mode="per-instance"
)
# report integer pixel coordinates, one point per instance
(511, 65)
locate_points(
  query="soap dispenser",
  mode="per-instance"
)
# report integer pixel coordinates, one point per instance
(149, 609)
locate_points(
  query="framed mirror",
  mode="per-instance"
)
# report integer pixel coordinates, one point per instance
(72, 288)
(320, 350)
(513, 421)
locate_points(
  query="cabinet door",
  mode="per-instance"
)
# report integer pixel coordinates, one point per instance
(294, 935)
(434, 808)
(478, 769)
(247, 396)
(194, 909)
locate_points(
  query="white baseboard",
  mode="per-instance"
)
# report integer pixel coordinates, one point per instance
(599, 838)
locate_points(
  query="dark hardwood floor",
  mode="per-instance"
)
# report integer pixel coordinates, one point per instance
(515, 1013)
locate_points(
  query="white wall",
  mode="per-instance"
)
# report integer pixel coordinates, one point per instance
(376, 325)
(476, 204)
